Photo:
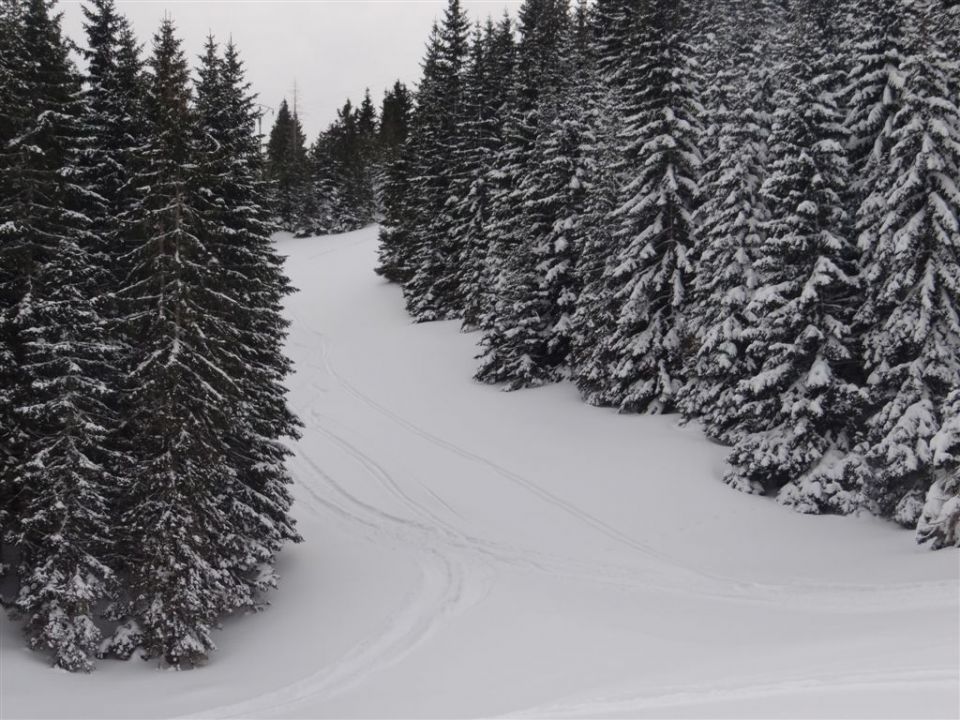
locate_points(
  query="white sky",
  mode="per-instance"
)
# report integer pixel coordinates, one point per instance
(332, 49)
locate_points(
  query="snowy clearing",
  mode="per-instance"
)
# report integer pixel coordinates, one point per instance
(476, 553)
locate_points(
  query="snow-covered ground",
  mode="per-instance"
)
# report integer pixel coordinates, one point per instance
(476, 553)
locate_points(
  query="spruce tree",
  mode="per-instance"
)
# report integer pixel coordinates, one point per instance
(394, 120)
(12, 121)
(176, 529)
(235, 230)
(491, 61)
(395, 230)
(911, 274)
(796, 410)
(60, 475)
(432, 293)
(511, 352)
(733, 214)
(652, 270)
(541, 284)
(287, 166)
(939, 522)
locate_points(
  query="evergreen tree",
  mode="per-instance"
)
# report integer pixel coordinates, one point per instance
(431, 292)
(733, 215)
(911, 274)
(59, 401)
(236, 232)
(640, 364)
(939, 522)
(796, 410)
(491, 61)
(176, 530)
(395, 230)
(13, 101)
(541, 283)
(509, 326)
(875, 82)
(287, 165)
(394, 120)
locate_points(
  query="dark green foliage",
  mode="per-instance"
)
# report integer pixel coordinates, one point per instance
(795, 411)
(59, 473)
(732, 218)
(909, 235)
(236, 232)
(432, 292)
(639, 367)
(287, 166)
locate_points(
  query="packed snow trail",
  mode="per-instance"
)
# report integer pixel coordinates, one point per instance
(470, 552)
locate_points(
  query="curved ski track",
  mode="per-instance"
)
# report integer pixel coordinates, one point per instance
(457, 568)
(671, 574)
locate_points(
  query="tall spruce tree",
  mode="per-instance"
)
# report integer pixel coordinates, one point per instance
(394, 124)
(640, 366)
(490, 66)
(57, 398)
(176, 530)
(395, 230)
(597, 310)
(432, 293)
(909, 236)
(541, 285)
(796, 411)
(287, 166)
(235, 230)
(732, 218)
(12, 121)
(511, 352)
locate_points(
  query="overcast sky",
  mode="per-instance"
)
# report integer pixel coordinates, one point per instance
(332, 49)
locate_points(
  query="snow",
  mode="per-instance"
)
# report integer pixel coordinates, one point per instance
(470, 552)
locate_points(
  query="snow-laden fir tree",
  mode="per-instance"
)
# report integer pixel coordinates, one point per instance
(235, 231)
(61, 476)
(939, 522)
(612, 22)
(597, 309)
(540, 283)
(491, 61)
(12, 120)
(876, 50)
(176, 529)
(595, 318)
(796, 411)
(287, 166)
(511, 351)
(432, 292)
(910, 235)
(394, 120)
(394, 237)
(733, 214)
(640, 364)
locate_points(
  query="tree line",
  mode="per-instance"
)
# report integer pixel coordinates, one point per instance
(336, 184)
(745, 211)
(143, 488)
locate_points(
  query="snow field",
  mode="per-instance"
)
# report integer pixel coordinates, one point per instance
(476, 553)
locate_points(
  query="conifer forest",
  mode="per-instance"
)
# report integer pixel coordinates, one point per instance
(743, 211)
(708, 242)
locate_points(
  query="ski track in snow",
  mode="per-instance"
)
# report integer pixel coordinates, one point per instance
(445, 588)
(670, 575)
(692, 695)
(451, 559)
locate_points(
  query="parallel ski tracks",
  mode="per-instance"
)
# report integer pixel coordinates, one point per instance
(667, 573)
(653, 698)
